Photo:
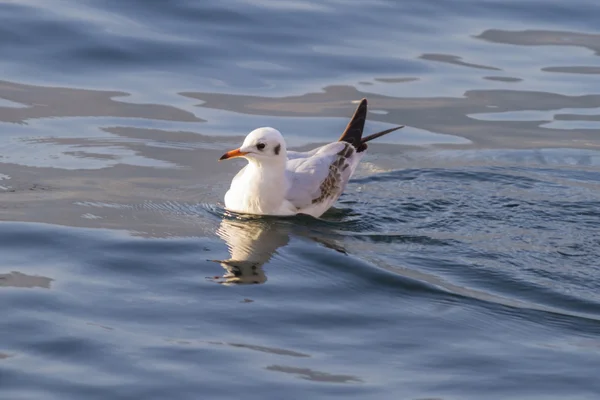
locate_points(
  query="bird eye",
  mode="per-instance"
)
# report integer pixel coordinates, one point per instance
(260, 146)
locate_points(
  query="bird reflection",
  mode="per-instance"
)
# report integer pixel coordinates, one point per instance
(253, 242)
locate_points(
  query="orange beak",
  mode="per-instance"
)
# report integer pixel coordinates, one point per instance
(232, 154)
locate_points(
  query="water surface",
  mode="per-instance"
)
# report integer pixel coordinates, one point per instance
(461, 263)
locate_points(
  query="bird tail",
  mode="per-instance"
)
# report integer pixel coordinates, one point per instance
(379, 134)
(353, 132)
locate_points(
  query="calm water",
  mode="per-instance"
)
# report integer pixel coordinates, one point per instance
(462, 263)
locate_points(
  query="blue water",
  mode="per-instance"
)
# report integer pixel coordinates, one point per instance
(461, 263)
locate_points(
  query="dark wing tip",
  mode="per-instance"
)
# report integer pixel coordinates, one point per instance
(379, 134)
(353, 132)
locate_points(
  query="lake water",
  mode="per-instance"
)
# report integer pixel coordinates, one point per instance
(461, 263)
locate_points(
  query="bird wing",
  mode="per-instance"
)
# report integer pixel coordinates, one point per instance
(292, 155)
(320, 176)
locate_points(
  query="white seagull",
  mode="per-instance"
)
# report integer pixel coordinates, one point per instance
(281, 182)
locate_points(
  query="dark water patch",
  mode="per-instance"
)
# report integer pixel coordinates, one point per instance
(282, 352)
(17, 279)
(396, 80)
(455, 60)
(577, 117)
(574, 70)
(48, 102)
(316, 376)
(533, 37)
(502, 79)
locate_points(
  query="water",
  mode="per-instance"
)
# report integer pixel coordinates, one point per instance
(462, 262)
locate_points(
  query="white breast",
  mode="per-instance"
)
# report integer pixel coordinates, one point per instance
(256, 191)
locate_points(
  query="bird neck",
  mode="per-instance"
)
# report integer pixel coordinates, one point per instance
(272, 167)
(265, 187)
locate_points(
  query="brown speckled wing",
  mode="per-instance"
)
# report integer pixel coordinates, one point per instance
(333, 185)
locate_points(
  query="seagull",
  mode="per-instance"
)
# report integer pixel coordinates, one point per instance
(281, 182)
